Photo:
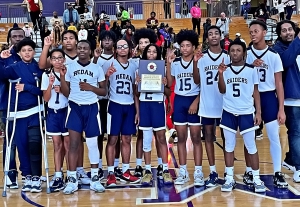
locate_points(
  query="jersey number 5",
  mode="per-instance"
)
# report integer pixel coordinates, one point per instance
(209, 78)
(236, 90)
(123, 87)
(186, 84)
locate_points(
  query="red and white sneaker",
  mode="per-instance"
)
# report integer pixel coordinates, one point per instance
(111, 180)
(128, 177)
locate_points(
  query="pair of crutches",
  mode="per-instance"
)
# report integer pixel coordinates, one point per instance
(13, 119)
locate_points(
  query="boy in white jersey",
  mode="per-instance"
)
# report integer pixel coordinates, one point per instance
(123, 111)
(80, 83)
(105, 55)
(269, 66)
(239, 83)
(69, 43)
(186, 104)
(142, 38)
(211, 100)
(56, 115)
(153, 119)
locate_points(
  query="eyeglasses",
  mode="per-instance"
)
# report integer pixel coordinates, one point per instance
(119, 47)
(57, 58)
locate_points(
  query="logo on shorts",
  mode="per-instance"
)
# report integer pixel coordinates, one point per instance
(151, 67)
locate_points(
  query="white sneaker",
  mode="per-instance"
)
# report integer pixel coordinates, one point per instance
(71, 186)
(96, 185)
(83, 178)
(296, 176)
(198, 178)
(288, 167)
(182, 178)
(36, 184)
(27, 184)
(259, 186)
(229, 185)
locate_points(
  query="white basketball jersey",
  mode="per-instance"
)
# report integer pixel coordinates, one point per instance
(211, 100)
(55, 102)
(90, 73)
(183, 73)
(272, 64)
(239, 81)
(69, 59)
(102, 60)
(121, 82)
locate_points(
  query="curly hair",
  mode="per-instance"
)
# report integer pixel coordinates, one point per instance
(110, 34)
(144, 33)
(25, 42)
(158, 50)
(188, 35)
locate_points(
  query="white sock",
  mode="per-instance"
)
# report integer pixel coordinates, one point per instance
(165, 166)
(73, 174)
(68, 173)
(100, 163)
(148, 167)
(198, 169)
(116, 162)
(248, 169)
(229, 172)
(183, 167)
(110, 169)
(212, 168)
(159, 160)
(79, 169)
(125, 167)
(94, 171)
(139, 162)
(58, 174)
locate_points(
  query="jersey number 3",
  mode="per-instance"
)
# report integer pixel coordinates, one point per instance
(263, 75)
(123, 87)
(185, 84)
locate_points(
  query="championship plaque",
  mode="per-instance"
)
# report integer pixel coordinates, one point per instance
(151, 73)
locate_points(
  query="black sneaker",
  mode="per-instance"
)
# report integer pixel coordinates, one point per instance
(258, 134)
(138, 172)
(160, 172)
(118, 173)
(279, 180)
(57, 185)
(248, 178)
(100, 174)
(12, 181)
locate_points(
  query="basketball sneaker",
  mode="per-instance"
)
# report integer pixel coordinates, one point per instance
(71, 186)
(229, 184)
(147, 178)
(159, 173)
(96, 184)
(279, 180)
(36, 184)
(12, 180)
(27, 184)
(167, 178)
(212, 179)
(100, 174)
(198, 178)
(118, 173)
(248, 178)
(258, 134)
(111, 180)
(296, 176)
(182, 178)
(128, 177)
(57, 185)
(83, 178)
(138, 172)
(259, 186)
(288, 166)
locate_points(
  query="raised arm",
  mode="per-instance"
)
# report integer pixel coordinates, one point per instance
(221, 82)
(44, 61)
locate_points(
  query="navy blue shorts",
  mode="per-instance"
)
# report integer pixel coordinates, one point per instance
(56, 122)
(120, 119)
(209, 121)
(181, 108)
(103, 114)
(84, 118)
(269, 106)
(232, 122)
(152, 115)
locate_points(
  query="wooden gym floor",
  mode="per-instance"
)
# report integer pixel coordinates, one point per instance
(159, 195)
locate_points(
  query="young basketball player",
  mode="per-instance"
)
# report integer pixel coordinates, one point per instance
(238, 82)
(269, 66)
(56, 114)
(80, 84)
(102, 55)
(123, 111)
(152, 118)
(186, 104)
(70, 40)
(27, 134)
(142, 38)
(211, 101)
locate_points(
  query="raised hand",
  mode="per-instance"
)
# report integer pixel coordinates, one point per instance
(134, 53)
(170, 55)
(257, 62)
(198, 53)
(6, 53)
(111, 70)
(137, 78)
(97, 52)
(63, 70)
(51, 79)
(222, 67)
(48, 40)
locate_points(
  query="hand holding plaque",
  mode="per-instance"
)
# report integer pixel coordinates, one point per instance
(151, 73)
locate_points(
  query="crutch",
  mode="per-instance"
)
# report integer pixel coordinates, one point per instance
(9, 141)
(43, 120)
